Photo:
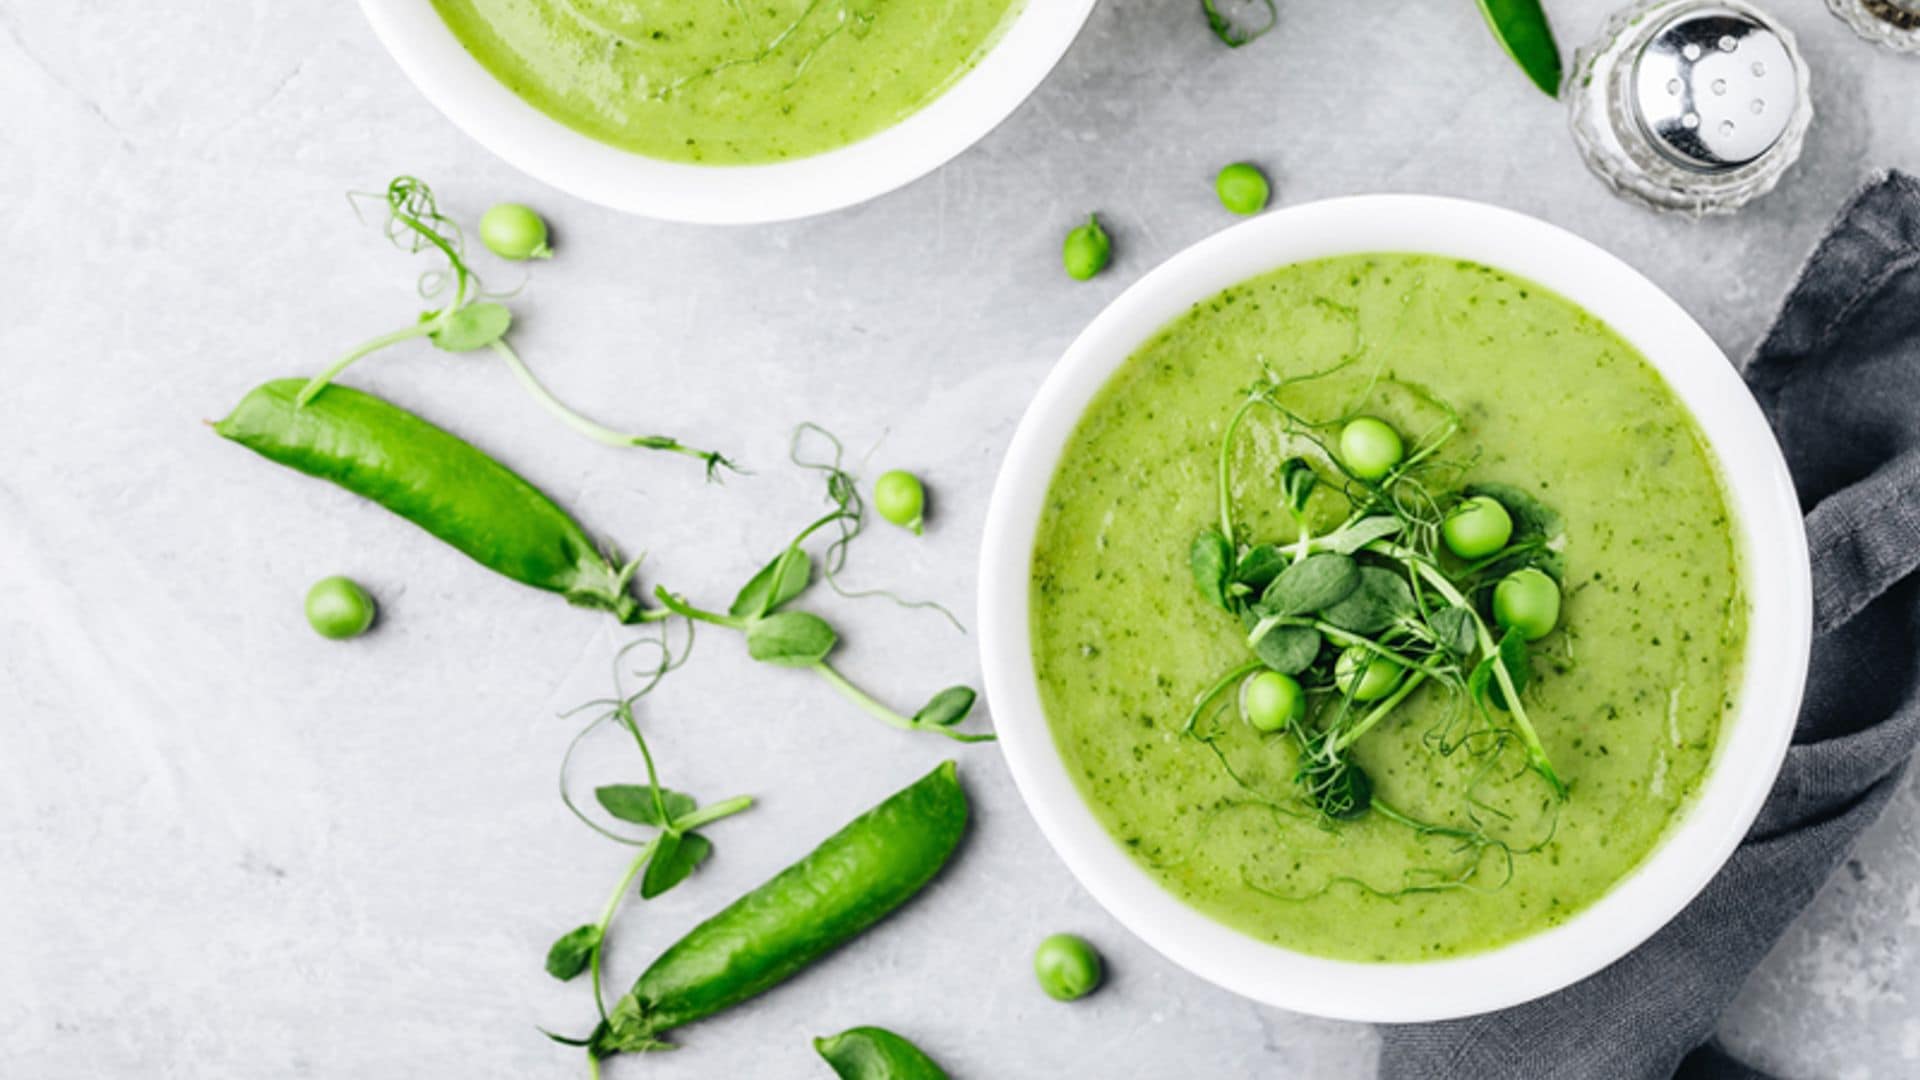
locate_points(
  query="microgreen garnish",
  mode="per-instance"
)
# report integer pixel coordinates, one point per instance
(1233, 30)
(778, 635)
(669, 854)
(1347, 624)
(463, 322)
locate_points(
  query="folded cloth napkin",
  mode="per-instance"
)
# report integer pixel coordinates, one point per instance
(1839, 377)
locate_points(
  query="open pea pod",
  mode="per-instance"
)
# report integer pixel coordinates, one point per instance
(871, 1053)
(1521, 28)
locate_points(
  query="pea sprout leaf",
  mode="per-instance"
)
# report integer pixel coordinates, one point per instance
(635, 803)
(948, 707)
(570, 955)
(1379, 599)
(778, 582)
(475, 326)
(1210, 556)
(1289, 650)
(674, 857)
(1453, 626)
(790, 639)
(1512, 651)
(1311, 584)
(1297, 481)
(1259, 566)
(1232, 31)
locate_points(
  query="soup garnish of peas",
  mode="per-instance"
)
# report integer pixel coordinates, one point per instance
(1387, 607)
(727, 82)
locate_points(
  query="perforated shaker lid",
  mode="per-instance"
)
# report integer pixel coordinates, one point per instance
(1714, 89)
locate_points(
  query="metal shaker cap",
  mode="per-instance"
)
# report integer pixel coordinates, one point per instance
(1714, 89)
(1690, 105)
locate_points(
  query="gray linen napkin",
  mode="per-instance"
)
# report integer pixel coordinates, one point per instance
(1839, 377)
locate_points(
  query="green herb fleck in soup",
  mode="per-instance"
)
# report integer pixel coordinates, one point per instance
(1386, 607)
(727, 82)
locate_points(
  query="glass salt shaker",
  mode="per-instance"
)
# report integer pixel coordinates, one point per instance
(1690, 106)
(1894, 23)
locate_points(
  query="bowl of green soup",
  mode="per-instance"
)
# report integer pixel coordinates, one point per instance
(727, 112)
(1394, 608)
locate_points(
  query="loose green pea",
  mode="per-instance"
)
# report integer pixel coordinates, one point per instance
(899, 498)
(1528, 601)
(1067, 967)
(1086, 250)
(338, 608)
(1242, 188)
(1375, 674)
(1271, 700)
(1477, 527)
(514, 231)
(1370, 448)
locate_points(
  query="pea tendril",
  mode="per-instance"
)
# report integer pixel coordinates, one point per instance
(465, 323)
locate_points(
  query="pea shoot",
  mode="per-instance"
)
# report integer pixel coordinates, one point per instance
(779, 635)
(1067, 967)
(514, 231)
(463, 322)
(663, 859)
(899, 497)
(1242, 188)
(338, 608)
(1416, 587)
(1086, 250)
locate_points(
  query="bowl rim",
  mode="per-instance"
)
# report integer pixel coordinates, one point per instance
(455, 83)
(1775, 577)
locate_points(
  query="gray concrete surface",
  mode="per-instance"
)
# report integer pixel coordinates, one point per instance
(231, 849)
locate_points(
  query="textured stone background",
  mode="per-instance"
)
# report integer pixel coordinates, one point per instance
(230, 849)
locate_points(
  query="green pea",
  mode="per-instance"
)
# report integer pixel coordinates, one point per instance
(1365, 674)
(1477, 527)
(339, 608)
(1242, 188)
(1270, 701)
(899, 498)
(1067, 967)
(1086, 250)
(514, 231)
(1370, 448)
(1528, 601)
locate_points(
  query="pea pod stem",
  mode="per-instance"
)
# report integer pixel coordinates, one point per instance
(874, 708)
(366, 348)
(593, 429)
(1378, 712)
(639, 863)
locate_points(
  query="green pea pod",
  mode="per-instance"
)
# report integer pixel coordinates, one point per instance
(871, 1053)
(434, 479)
(1522, 29)
(851, 881)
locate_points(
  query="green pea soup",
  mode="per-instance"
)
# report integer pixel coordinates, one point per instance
(1628, 694)
(728, 82)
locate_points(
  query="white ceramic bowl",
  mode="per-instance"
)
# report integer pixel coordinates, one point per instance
(1752, 743)
(550, 151)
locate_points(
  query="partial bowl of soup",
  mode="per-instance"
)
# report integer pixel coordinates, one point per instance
(727, 112)
(1394, 608)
